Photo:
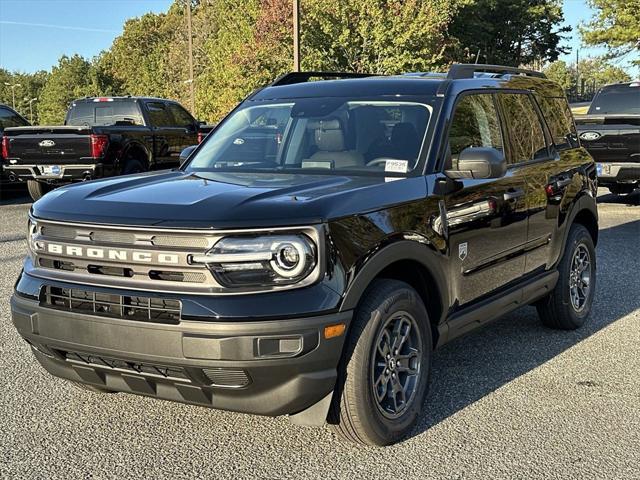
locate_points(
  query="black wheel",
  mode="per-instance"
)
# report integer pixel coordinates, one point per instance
(569, 304)
(384, 373)
(37, 190)
(132, 166)
(89, 388)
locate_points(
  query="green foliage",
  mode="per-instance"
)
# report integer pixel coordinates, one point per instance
(508, 32)
(592, 72)
(378, 36)
(72, 78)
(616, 26)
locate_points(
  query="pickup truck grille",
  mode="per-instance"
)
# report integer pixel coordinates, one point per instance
(137, 258)
(145, 309)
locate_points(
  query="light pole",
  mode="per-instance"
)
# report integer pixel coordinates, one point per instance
(190, 81)
(13, 92)
(296, 35)
(30, 107)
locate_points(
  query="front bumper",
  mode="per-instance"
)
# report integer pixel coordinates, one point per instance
(67, 173)
(270, 367)
(624, 172)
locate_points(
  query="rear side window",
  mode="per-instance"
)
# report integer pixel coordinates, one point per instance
(159, 115)
(182, 118)
(10, 119)
(557, 113)
(104, 114)
(475, 124)
(526, 136)
(617, 99)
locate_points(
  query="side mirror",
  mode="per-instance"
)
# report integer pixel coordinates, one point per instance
(479, 162)
(184, 154)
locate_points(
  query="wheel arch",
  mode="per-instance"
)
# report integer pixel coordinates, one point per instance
(411, 262)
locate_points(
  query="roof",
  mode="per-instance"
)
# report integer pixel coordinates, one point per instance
(115, 98)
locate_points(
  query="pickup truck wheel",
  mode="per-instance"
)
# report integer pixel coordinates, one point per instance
(37, 190)
(384, 373)
(89, 388)
(569, 304)
(132, 166)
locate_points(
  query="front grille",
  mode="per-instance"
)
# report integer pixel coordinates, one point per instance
(127, 307)
(161, 371)
(226, 377)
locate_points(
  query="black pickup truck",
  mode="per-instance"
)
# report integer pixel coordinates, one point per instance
(610, 131)
(101, 137)
(8, 118)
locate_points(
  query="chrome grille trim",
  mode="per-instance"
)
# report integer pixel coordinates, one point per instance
(179, 276)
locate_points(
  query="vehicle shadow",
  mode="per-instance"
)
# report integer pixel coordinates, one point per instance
(471, 367)
(14, 195)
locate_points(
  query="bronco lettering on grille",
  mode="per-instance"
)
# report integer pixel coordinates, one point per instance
(123, 255)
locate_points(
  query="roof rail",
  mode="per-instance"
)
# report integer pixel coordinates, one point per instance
(301, 77)
(467, 70)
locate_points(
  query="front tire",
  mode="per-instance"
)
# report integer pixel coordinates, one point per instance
(384, 373)
(37, 190)
(569, 304)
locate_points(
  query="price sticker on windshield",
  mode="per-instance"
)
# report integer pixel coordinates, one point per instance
(396, 166)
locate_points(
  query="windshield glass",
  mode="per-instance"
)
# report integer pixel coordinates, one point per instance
(318, 135)
(618, 99)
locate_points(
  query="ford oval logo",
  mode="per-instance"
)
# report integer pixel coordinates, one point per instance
(590, 136)
(47, 143)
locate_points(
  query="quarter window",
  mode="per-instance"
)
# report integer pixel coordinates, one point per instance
(526, 135)
(475, 124)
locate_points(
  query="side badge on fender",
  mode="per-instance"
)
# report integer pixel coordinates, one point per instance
(462, 251)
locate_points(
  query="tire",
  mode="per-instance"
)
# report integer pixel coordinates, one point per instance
(89, 388)
(132, 166)
(566, 307)
(356, 414)
(37, 190)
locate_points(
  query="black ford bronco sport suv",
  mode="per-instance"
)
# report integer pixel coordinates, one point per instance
(318, 245)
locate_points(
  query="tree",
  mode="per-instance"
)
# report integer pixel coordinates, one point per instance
(616, 26)
(378, 36)
(560, 72)
(72, 78)
(508, 32)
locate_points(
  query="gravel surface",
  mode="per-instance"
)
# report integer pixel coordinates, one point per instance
(514, 400)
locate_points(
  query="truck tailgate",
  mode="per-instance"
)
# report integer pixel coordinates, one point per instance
(48, 145)
(610, 137)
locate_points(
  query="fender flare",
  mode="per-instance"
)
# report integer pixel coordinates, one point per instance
(585, 202)
(134, 144)
(421, 253)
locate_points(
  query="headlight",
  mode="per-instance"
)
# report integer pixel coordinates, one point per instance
(261, 261)
(32, 234)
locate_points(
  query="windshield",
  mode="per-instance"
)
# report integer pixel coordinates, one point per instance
(318, 135)
(618, 99)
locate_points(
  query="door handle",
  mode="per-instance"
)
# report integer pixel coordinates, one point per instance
(513, 194)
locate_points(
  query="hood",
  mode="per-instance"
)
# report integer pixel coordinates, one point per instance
(218, 200)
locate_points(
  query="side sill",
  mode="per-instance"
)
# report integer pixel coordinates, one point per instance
(493, 308)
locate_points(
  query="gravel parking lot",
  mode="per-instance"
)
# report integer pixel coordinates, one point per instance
(514, 400)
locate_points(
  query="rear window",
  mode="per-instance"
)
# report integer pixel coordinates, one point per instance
(619, 99)
(104, 114)
(558, 116)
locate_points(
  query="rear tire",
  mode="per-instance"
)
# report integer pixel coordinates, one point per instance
(384, 374)
(622, 189)
(569, 304)
(37, 190)
(133, 166)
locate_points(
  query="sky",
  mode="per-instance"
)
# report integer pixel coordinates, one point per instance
(35, 33)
